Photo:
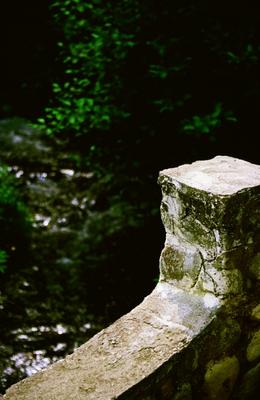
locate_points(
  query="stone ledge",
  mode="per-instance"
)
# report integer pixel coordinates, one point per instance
(209, 269)
(210, 210)
(126, 352)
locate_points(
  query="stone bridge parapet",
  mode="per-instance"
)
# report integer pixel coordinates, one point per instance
(197, 335)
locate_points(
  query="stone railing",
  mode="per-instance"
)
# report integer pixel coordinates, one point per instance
(196, 336)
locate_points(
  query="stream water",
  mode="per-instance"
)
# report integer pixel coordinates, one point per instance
(43, 316)
(84, 261)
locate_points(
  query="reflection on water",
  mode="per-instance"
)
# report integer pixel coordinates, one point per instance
(29, 349)
(29, 362)
(43, 315)
(67, 172)
(77, 270)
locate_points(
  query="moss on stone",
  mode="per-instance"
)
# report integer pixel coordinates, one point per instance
(253, 349)
(220, 378)
(171, 264)
(255, 314)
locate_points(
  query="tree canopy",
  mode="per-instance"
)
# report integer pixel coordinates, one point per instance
(150, 77)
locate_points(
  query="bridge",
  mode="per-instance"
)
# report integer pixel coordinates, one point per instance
(197, 335)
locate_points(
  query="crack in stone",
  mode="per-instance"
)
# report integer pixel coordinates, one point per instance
(215, 292)
(145, 322)
(203, 267)
(152, 325)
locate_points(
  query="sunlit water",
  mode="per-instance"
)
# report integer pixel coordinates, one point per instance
(65, 282)
(37, 327)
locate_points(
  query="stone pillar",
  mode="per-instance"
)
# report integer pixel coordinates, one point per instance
(196, 336)
(210, 210)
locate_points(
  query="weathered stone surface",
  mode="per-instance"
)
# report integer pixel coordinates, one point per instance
(255, 314)
(220, 378)
(255, 267)
(221, 175)
(126, 352)
(210, 210)
(253, 349)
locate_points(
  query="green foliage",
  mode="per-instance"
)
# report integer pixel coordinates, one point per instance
(130, 69)
(9, 196)
(15, 221)
(95, 44)
(248, 55)
(201, 125)
(7, 191)
(3, 259)
(145, 86)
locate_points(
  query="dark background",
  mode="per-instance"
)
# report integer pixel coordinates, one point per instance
(30, 64)
(177, 81)
(28, 50)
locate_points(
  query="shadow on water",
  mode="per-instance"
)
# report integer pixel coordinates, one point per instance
(56, 292)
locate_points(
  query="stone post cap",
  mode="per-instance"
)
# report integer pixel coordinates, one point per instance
(210, 210)
(221, 175)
